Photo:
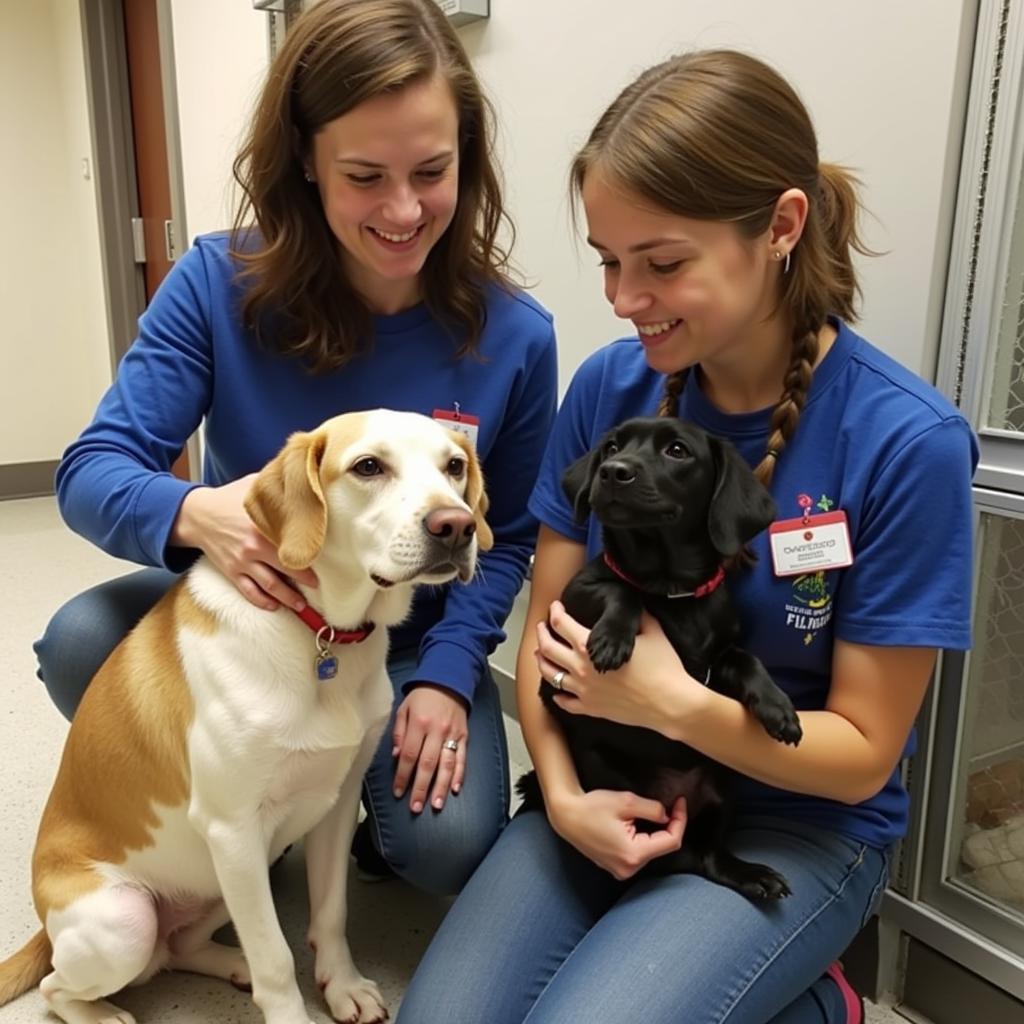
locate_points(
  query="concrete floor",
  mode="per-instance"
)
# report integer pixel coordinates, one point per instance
(42, 564)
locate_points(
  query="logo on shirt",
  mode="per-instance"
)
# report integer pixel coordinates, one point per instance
(810, 608)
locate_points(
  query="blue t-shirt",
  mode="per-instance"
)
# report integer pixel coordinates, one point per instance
(875, 441)
(193, 362)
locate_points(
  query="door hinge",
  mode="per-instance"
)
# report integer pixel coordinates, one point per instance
(169, 244)
(138, 240)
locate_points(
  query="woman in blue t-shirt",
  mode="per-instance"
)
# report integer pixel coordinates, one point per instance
(728, 245)
(364, 271)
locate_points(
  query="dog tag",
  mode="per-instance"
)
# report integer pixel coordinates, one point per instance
(326, 666)
(810, 544)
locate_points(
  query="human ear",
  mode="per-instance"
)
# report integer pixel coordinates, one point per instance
(787, 223)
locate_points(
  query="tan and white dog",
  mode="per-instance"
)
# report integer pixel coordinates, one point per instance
(207, 743)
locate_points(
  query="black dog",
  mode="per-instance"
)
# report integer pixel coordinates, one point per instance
(673, 502)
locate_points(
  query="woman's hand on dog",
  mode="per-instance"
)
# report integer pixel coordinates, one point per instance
(427, 718)
(214, 520)
(602, 825)
(651, 690)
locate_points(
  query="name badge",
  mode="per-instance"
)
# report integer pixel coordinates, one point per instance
(810, 543)
(463, 422)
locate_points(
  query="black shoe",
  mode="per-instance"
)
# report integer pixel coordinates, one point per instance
(370, 865)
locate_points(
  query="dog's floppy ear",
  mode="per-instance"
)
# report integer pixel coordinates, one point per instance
(741, 506)
(476, 495)
(576, 481)
(286, 501)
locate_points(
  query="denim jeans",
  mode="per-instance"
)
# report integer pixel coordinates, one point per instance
(540, 935)
(435, 851)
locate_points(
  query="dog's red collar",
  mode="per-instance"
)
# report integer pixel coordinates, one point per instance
(702, 591)
(326, 664)
(331, 634)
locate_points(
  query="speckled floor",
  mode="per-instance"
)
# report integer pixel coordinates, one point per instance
(41, 564)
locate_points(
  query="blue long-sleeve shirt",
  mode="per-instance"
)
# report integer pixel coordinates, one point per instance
(194, 362)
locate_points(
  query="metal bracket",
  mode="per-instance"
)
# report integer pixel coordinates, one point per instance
(138, 240)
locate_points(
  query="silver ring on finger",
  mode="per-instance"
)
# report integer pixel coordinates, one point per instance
(452, 745)
(558, 679)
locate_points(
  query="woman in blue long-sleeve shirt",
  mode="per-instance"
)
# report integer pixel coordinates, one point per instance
(363, 271)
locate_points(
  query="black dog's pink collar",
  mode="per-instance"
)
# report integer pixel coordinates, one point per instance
(702, 591)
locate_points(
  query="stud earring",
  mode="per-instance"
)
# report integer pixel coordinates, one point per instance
(308, 176)
(785, 266)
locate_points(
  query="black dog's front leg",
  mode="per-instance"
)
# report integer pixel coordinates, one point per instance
(613, 635)
(738, 674)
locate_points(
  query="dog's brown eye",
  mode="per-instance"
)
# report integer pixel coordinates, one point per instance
(611, 448)
(456, 468)
(368, 467)
(676, 450)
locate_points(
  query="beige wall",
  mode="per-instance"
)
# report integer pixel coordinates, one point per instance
(55, 357)
(220, 58)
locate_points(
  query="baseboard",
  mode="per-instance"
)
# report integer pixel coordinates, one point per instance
(948, 993)
(27, 479)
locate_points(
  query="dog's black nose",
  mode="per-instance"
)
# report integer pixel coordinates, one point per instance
(616, 472)
(453, 527)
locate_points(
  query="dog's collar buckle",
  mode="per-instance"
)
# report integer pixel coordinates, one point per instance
(326, 664)
(707, 587)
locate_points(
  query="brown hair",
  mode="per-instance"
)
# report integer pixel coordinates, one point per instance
(338, 54)
(718, 135)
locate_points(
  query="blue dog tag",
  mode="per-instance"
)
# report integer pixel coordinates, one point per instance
(326, 667)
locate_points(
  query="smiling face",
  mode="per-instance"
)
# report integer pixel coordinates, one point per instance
(696, 290)
(388, 175)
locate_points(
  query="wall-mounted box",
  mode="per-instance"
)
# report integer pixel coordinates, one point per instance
(462, 12)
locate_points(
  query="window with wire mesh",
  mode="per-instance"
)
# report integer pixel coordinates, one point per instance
(1006, 389)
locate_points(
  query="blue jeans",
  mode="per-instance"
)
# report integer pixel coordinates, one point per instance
(435, 851)
(541, 935)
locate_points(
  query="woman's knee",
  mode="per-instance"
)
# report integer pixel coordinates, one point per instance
(66, 655)
(439, 854)
(84, 630)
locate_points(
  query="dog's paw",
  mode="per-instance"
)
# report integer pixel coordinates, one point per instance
(609, 650)
(112, 1014)
(353, 999)
(761, 883)
(779, 718)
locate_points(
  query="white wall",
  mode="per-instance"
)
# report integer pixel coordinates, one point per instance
(220, 58)
(54, 351)
(878, 79)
